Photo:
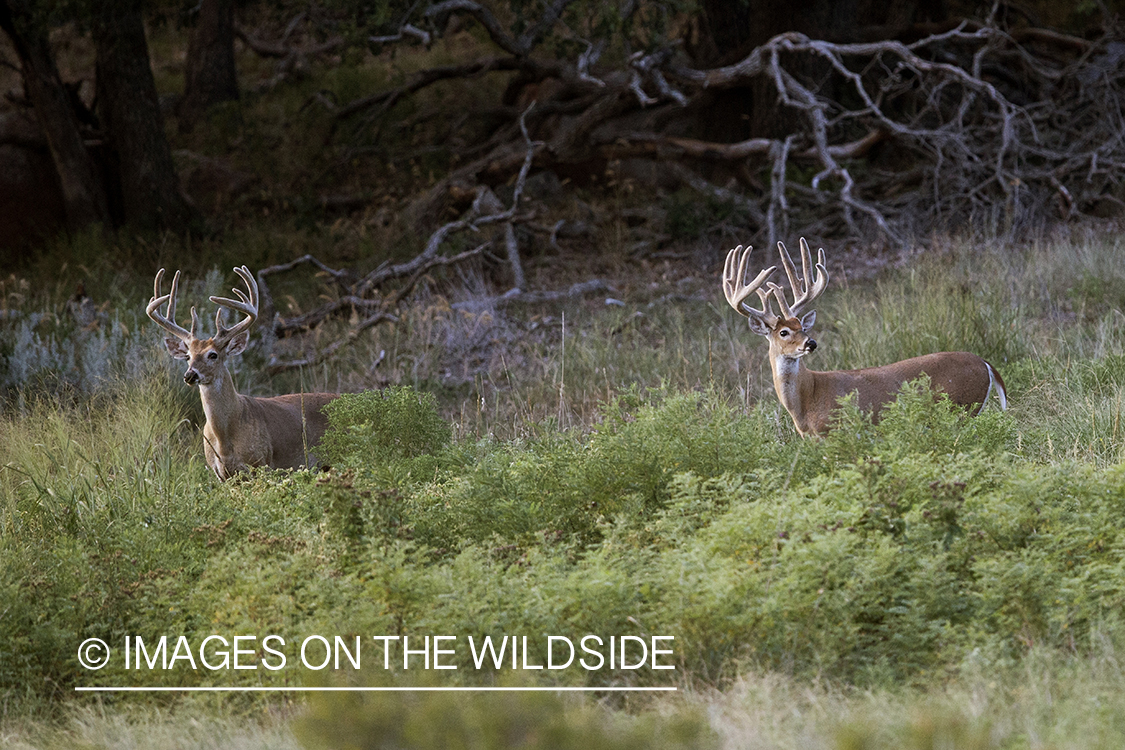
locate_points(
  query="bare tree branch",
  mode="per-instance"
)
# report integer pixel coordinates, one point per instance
(282, 50)
(977, 123)
(586, 59)
(779, 206)
(408, 30)
(437, 15)
(279, 365)
(513, 296)
(367, 294)
(500, 37)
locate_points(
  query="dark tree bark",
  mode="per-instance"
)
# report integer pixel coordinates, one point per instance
(130, 113)
(724, 30)
(210, 76)
(83, 192)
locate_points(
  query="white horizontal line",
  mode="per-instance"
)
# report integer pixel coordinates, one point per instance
(132, 689)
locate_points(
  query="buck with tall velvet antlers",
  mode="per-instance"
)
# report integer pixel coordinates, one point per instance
(241, 431)
(811, 397)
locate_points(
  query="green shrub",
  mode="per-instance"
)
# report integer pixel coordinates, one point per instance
(565, 487)
(918, 423)
(380, 426)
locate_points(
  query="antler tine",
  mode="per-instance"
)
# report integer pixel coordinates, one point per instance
(795, 281)
(764, 296)
(247, 305)
(737, 290)
(173, 295)
(803, 294)
(157, 299)
(168, 320)
(779, 295)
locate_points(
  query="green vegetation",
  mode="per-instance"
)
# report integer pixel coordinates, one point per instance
(931, 580)
(381, 427)
(522, 720)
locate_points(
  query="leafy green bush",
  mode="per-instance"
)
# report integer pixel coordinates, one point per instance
(881, 554)
(386, 425)
(917, 422)
(563, 487)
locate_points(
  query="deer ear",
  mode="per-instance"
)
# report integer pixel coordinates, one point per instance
(808, 321)
(177, 348)
(758, 326)
(238, 344)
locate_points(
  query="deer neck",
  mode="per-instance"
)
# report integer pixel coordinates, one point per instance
(794, 385)
(222, 405)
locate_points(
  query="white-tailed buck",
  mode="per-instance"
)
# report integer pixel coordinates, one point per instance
(810, 396)
(241, 431)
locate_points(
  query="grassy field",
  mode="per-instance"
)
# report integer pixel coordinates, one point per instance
(933, 581)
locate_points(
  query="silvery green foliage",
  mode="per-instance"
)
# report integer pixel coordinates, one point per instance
(52, 350)
(41, 348)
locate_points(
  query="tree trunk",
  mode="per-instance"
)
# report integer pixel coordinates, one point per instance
(130, 113)
(210, 76)
(84, 194)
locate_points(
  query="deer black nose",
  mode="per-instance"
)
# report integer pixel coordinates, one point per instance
(191, 377)
(810, 345)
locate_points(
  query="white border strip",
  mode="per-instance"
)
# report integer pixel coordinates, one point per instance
(128, 689)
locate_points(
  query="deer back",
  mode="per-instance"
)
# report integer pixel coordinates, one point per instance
(294, 424)
(961, 375)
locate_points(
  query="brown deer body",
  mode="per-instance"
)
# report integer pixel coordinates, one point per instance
(810, 396)
(241, 431)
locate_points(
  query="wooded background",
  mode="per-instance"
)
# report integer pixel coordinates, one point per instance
(873, 122)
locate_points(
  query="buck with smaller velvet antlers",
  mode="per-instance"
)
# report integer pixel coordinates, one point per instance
(811, 397)
(241, 431)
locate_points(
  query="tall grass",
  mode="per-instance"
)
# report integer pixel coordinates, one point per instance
(1051, 701)
(124, 451)
(1048, 316)
(111, 727)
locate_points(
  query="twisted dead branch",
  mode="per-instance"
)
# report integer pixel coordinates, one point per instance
(982, 156)
(972, 124)
(289, 58)
(377, 297)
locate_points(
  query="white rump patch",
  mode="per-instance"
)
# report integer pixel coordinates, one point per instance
(993, 383)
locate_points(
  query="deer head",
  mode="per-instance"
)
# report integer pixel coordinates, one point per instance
(206, 357)
(787, 330)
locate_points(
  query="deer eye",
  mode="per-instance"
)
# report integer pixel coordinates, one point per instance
(212, 355)
(783, 333)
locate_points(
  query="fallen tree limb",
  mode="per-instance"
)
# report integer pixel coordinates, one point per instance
(282, 50)
(515, 296)
(422, 79)
(521, 46)
(373, 297)
(279, 365)
(945, 123)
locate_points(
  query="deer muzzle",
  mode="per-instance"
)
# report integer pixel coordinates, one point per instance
(810, 345)
(191, 377)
